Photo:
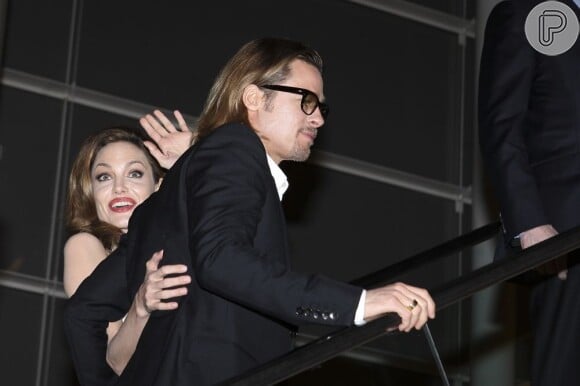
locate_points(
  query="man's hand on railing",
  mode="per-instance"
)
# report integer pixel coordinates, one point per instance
(537, 235)
(414, 305)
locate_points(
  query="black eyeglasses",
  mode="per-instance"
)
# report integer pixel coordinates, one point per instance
(309, 101)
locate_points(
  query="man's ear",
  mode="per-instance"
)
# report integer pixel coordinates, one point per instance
(253, 97)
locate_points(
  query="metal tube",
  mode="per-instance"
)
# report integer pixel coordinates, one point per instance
(31, 284)
(423, 15)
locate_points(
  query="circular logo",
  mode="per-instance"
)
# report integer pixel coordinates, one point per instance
(552, 28)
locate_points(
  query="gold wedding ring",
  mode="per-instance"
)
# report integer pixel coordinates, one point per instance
(411, 306)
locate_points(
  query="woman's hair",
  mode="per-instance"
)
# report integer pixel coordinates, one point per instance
(260, 62)
(81, 212)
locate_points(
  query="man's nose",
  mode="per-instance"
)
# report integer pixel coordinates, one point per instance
(316, 119)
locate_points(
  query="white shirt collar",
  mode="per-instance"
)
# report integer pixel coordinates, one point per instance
(280, 178)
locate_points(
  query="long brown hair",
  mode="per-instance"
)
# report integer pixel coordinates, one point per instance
(260, 62)
(81, 212)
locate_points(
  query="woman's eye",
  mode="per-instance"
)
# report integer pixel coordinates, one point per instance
(136, 174)
(103, 177)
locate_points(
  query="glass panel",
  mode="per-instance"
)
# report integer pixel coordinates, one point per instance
(87, 120)
(392, 86)
(29, 138)
(37, 37)
(60, 369)
(350, 226)
(20, 319)
(393, 106)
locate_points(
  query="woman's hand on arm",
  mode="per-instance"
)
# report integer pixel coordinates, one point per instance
(157, 287)
(150, 297)
(169, 143)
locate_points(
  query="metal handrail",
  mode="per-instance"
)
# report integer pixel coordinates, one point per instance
(333, 344)
(442, 250)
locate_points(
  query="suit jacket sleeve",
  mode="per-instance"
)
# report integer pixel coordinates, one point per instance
(101, 297)
(506, 80)
(226, 194)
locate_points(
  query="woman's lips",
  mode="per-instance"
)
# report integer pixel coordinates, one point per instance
(122, 204)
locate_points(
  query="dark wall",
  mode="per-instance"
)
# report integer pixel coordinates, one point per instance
(396, 91)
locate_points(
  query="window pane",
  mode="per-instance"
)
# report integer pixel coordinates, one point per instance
(20, 321)
(37, 36)
(60, 368)
(29, 138)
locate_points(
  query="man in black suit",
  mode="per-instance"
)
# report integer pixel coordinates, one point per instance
(529, 121)
(218, 211)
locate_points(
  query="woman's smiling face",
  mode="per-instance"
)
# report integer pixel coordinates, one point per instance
(121, 179)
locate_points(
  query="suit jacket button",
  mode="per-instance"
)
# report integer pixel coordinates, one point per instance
(315, 314)
(325, 315)
(299, 311)
(332, 316)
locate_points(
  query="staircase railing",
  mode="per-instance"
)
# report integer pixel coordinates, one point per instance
(329, 346)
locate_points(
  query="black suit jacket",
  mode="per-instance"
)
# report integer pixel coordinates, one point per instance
(529, 122)
(218, 212)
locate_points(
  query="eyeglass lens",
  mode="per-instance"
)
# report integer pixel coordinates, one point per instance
(310, 103)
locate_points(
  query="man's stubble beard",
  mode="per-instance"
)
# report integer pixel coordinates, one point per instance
(299, 153)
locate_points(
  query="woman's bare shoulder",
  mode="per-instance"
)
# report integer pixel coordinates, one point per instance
(84, 240)
(82, 253)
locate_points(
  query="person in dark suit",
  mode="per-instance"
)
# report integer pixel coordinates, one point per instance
(218, 212)
(529, 124)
